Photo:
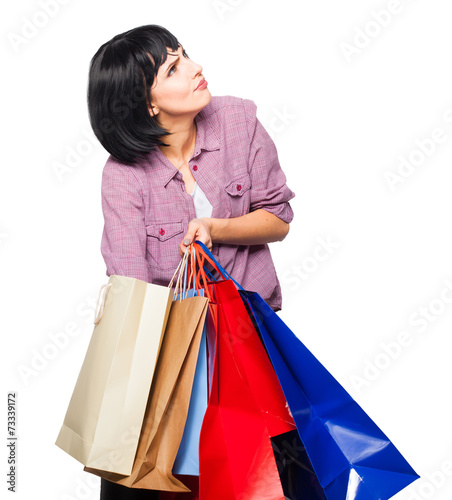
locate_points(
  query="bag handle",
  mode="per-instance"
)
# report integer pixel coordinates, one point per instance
(194, 263)
(200, 280)
(185, 274)
(176, 272)
(206, 255)
(99, 311)
(181, 283)
(102, 295)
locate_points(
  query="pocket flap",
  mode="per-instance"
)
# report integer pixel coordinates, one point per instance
(238, 186)
(164, 230)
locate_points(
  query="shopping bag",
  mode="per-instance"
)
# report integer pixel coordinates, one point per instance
(168, 401)
(352, 458)
(187, 459)
(102, 423)
(246, 407)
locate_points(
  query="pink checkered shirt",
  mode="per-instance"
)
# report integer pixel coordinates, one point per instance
(147, 209)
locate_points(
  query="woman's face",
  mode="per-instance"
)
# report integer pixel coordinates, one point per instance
(174, 92)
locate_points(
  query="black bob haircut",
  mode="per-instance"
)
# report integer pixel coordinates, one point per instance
(121, 75)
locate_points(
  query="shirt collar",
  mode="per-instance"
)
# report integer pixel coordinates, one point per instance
(206, 139)
(205, 136)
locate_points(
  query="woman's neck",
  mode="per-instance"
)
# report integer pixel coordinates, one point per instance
(181, 142)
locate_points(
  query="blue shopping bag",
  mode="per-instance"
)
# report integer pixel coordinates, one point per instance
(351, 457)
(187, 458)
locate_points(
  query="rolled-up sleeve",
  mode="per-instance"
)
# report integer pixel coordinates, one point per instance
(269, 190)
(123, 244)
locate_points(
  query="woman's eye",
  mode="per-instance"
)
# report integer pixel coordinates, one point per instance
(170, 72)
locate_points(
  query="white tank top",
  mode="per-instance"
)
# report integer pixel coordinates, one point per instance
(203, 206)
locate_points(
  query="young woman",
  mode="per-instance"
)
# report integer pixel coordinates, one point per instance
(183, 165)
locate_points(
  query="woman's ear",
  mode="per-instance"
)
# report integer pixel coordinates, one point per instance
(154, 110)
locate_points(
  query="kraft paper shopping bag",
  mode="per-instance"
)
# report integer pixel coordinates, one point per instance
(168, 402)
(105, 414)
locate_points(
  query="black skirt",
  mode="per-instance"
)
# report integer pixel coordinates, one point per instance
(114, 491)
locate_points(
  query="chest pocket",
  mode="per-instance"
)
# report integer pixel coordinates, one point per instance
(163, 244)
(238, 194)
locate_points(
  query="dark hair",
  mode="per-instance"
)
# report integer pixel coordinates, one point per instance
(121, 75)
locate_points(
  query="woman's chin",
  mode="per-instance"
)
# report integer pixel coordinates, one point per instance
(207, 96)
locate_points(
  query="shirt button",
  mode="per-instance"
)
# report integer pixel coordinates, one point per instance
(239, 187)
(162, 232)
(195, 167)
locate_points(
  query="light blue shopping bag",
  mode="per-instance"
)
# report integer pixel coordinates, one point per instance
(187, 459)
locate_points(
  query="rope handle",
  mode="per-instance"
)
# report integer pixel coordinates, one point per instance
(100, 305)
(206, 255)
(175, 272)
(181, 279)
(102, 295)
(191, 267)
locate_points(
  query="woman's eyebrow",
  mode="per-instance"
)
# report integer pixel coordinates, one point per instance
(171, 63)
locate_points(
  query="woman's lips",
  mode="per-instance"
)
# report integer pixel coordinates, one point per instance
(202, 85)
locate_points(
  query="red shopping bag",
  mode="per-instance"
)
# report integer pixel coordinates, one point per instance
(338, 452)
(246, 407)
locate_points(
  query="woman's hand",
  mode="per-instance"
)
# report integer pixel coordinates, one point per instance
(254, 228)
(198, 229)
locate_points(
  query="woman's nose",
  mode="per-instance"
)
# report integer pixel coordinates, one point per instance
(197, 68)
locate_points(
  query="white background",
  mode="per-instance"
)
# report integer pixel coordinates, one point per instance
(340, 123)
